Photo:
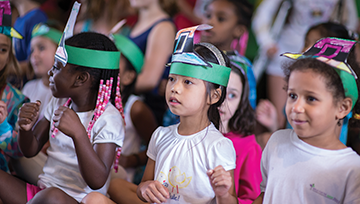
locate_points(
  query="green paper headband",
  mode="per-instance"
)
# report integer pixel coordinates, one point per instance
(93, 58)
(216, 74)
(130, 50)
(44, 30)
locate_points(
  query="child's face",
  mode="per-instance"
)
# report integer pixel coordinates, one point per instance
(185, 96)
(311, 39)
(232, 100)
(310, 107)
(61, 79)
(221, 15)
(5, 47)
(42, 55)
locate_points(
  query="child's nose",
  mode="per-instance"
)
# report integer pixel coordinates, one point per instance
(176, 87)
(298, 107)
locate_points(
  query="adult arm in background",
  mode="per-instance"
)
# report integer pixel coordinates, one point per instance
(159, 47)
(262, 22)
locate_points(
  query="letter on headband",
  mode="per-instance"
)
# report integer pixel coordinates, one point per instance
(130, 50)
(334, 52)
(5, 21)
(186, 62)
(44, 30)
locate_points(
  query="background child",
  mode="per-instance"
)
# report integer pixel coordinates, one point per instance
(230, 19)
(193, 149)
(139, 119)
(75, 164)
(11, 98)
(45, 38)
(43, 46)
(238, 124)
(29, 15)
(154, 33)
(310, 164)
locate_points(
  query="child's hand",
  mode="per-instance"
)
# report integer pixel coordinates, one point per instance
(153, 191)
(3, 111)
(266, 115)
(68, 122)
(220, 180)
(28, 115)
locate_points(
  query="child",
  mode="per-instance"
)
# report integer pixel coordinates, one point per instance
(309, 164)
(154, 33)
(238, 124)
(43, 46)
(184, 157)
(45, 39)
(230, 19)
(140, 121)
(11, 98)
(83, 132)
(266, 112)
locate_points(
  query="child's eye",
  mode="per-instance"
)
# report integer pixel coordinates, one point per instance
(54, 67)
(3, 50)
(231, 95)
(187, 82)
(311, 99)
(221, 19)
(170, 79)
(292, 96)
(207, 15)
(42, 48)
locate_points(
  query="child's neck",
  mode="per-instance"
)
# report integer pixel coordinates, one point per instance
(188, 126)
(83, 103)
(329, 143)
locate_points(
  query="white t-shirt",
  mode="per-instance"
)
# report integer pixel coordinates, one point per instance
(181, 162)
(61, 169)
(296, 172)
(36, 90)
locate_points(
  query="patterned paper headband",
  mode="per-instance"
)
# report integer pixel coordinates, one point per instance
(130, 50)
(44, 30)
(5, 21)
(82, 56)
(185, 61)
(334, 52)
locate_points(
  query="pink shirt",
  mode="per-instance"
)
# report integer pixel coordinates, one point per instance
(247, 174)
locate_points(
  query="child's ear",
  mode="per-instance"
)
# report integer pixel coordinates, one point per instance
(82, 78)
(127, 77)
(344, 107)
(215, 96)
(239, 30)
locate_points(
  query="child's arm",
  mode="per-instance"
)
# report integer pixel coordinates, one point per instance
(222, 183)
(94, 161)
(30, 139)
(150, 190)
(259, 200)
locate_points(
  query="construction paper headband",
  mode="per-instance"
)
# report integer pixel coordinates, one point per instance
(334, 52)
(130, 50)
(185, 61)
(93, 58)
(44, 30)
(5, 21)
(82, 56)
